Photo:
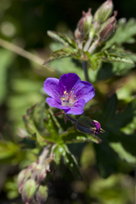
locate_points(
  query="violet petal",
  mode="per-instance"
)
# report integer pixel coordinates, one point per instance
(54, 103)
(84, 90)
(51, 87)
(77, 109)
(67, 81)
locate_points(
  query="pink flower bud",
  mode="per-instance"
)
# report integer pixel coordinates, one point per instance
(83, 26)
(108, 28)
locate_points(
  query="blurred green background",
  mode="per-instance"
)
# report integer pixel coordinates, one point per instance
(25, 23)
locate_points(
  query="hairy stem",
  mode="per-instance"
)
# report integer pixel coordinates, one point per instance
(71, 119)
(87, 44)
(94, 46)
(85, 68)
(56, 121)
(20, 51)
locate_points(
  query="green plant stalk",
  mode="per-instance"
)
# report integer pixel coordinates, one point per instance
(20, 51)
(85, 69)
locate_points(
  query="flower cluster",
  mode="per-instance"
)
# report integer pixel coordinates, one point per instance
(30, 180)
(92, 30)
(68, 93)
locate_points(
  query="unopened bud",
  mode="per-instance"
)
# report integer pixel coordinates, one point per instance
(29, 190)
(106, 33)
(89, 126)
(83, 26)
(39, 173)
(108, 28)
(96, 127)
(87, 20)
(22, 177)
(104, 11)
(42, 194)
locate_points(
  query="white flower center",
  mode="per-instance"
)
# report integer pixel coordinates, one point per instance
(68, 99)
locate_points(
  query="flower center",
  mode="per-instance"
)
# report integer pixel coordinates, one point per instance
(68, 99)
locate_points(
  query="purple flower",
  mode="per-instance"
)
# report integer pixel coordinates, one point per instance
(68, 93)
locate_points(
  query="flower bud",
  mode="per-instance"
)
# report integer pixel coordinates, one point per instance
(108, 28)
(104, 11)
(29, 190)
(87, 20)
(39, 173)
(89, 126)
(42, 194)
(83, 26)
(22, 177)
(96, 127)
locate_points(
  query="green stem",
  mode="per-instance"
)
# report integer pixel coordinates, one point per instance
(20, 51)
(85, 68)
(55, 120)
(71, 119)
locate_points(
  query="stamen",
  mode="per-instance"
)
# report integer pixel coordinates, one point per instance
(68, 99)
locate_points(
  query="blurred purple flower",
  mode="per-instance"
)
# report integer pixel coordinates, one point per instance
(68, 93)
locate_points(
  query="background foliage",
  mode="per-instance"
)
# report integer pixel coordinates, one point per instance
(108, 169)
